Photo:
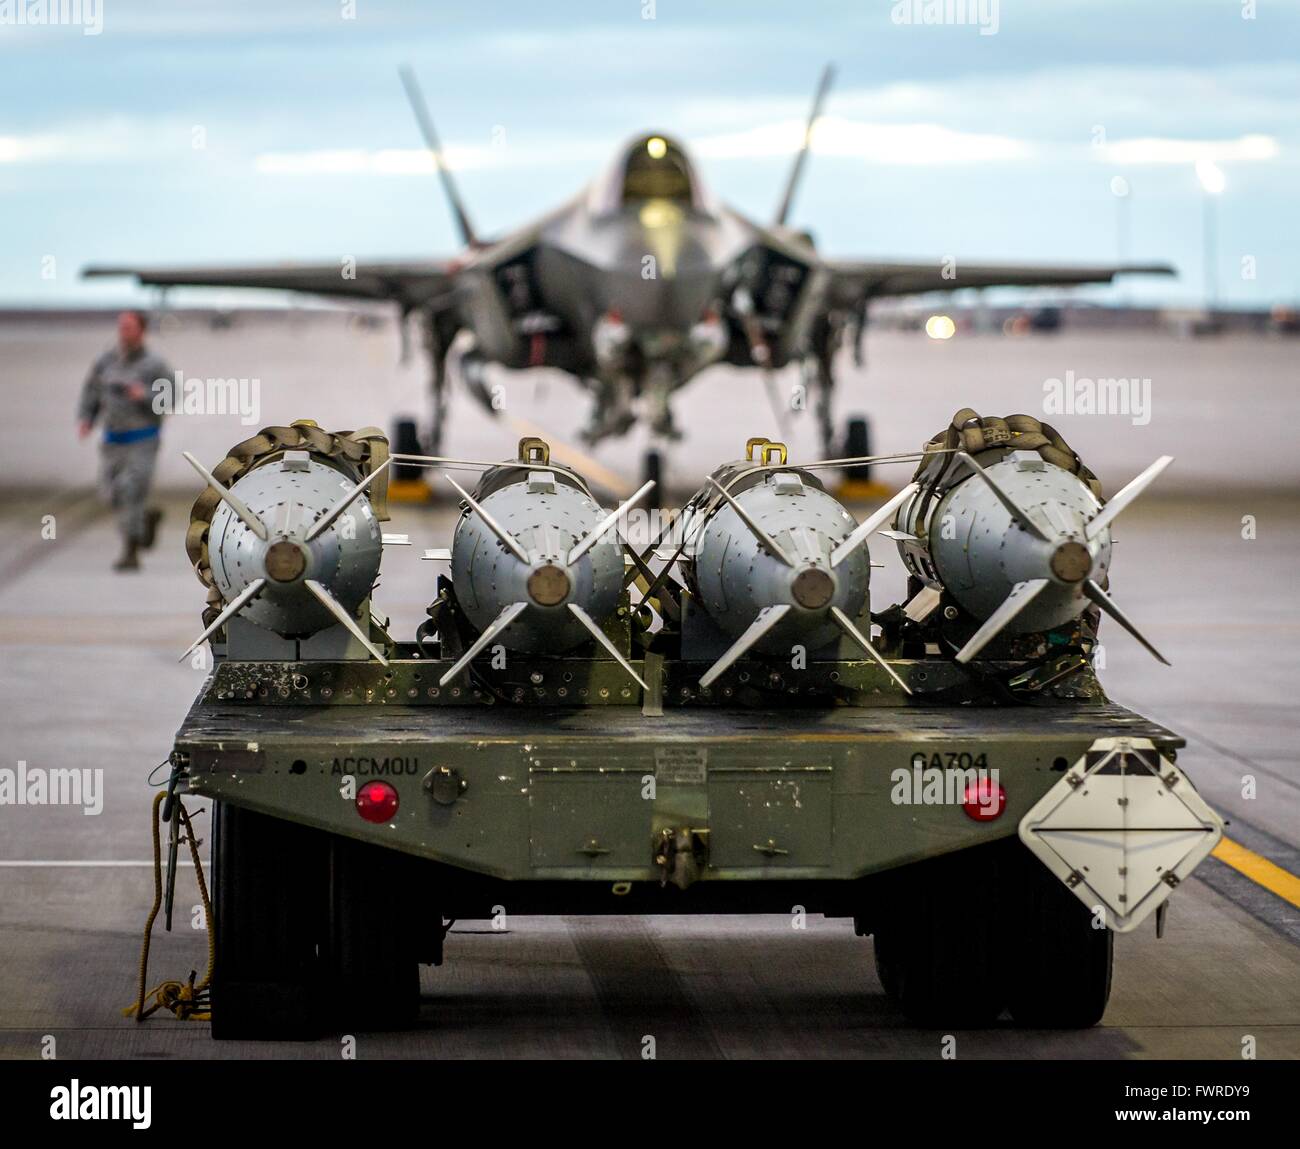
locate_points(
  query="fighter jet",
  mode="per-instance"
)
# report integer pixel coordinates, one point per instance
(633, 287)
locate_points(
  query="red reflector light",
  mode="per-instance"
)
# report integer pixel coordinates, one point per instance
(377, 801)
(984, 800)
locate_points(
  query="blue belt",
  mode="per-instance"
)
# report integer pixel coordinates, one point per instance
(130, 436)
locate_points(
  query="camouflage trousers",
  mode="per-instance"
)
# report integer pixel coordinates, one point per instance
(126, 473)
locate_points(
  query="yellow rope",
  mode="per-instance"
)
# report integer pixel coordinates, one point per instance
(184, 999)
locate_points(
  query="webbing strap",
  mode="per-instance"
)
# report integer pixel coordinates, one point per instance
(359, 452)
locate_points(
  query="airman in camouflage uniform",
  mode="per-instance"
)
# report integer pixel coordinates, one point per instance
(119, 394)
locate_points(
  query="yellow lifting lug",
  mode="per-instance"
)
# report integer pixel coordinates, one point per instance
(534, 450)
(768, 451)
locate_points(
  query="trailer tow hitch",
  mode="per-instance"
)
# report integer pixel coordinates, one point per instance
(171, 814)
(681, 855)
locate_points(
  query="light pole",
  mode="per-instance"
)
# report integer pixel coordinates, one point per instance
(1213, 182)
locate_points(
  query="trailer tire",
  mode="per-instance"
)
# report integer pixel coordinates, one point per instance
(1058, 964)
(937, 944)
(374, 964)
(268, 887)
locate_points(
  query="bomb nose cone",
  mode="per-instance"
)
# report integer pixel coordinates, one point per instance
(1071, 561)
(285, 561)
(549, 585)
(813, 588)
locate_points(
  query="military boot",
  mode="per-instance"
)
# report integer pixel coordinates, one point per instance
(152, 517)
(130, 557)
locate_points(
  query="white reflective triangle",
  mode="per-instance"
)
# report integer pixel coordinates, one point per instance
(1120, 802)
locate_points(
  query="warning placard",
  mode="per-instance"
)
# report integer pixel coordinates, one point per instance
(681, 765)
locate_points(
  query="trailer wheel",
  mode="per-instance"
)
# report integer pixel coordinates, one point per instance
(375, 911)
(937, 943)
(1058, 964)
(269, 885)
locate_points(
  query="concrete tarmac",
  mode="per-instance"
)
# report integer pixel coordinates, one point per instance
(89, 678)
(1225, 407)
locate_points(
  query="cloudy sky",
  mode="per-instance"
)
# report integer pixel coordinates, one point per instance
(250, 130)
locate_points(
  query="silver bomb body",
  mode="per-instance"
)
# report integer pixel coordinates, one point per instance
(735, 575)
(547, 514)
(969, 544)
(288, 495)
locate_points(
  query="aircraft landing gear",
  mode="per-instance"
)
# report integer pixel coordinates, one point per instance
(657, 390)
(406, 441)
(611, 410)
(857, 439)
(437, 339)
(858, 482)
(473, 370)
(652, 470)
(407, 483)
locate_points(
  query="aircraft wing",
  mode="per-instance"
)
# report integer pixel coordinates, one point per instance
(853, 281)
(410, 283)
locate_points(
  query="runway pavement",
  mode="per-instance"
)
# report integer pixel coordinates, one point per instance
(89, 677)
(1226, 407)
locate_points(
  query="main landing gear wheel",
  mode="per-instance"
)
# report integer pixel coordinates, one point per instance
(652, 471)
(857, 437)
(406, 441)
(407, 482)
(858, 482)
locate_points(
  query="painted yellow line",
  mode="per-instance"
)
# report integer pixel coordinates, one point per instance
(1259, 870)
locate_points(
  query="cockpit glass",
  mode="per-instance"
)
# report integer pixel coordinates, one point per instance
(656, 169)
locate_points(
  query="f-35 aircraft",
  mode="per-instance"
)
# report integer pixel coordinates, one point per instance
(633, 287)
